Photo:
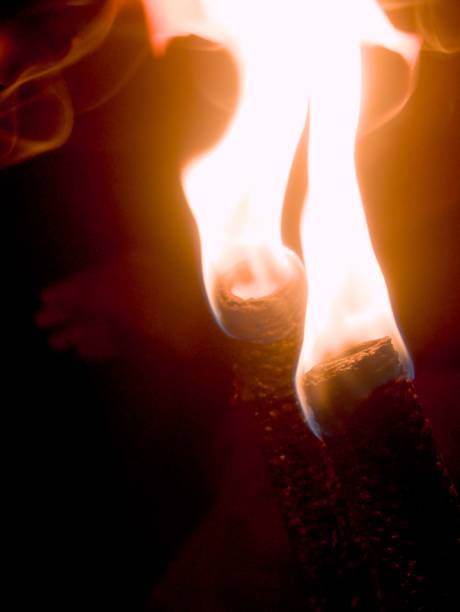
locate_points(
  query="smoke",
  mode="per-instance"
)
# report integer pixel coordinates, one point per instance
(439, 25)
(38, 41)
(436, 21)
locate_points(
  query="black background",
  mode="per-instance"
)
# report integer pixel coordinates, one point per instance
(111, 466)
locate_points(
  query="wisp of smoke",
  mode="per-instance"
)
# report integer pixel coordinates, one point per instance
(38, 42)
(40, 39)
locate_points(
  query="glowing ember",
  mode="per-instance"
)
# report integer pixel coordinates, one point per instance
(300, 55)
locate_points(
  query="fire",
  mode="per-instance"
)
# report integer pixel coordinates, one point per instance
(236, 191)
(296, 57)
(348, 302)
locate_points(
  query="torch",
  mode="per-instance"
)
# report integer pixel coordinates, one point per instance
(254, 284)
(268, 333)
(354, 373)
(401, 501)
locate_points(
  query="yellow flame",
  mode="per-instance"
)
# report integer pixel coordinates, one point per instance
(291, 56)
(236, 190)
(348, 301)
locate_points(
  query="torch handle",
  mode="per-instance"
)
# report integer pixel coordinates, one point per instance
(401, 500)
(333, 573)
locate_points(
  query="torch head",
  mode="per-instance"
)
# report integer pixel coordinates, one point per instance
(267, 313)
(334, 389)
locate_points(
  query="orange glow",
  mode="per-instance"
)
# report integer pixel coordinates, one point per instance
(348, 301)
(236, 190)
(292, 56)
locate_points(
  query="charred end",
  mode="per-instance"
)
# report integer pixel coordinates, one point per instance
(334, 389)
(267, 319)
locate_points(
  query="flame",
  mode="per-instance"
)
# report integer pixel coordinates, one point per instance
(348, 301)
(236, 191)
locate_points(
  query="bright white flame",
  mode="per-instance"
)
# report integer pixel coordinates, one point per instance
(348, 301)
(236, 191)
(291, 54)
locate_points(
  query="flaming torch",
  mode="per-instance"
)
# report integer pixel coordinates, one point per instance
(256, 286)
(354, 372)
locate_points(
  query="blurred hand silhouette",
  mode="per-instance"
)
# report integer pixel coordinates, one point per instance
(94, 311)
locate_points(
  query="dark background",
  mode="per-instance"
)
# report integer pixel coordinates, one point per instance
(113, 460)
